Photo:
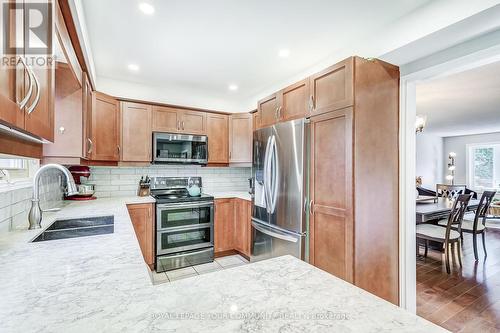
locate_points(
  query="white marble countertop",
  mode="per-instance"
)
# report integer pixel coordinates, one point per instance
(101, 284)
(231, 194)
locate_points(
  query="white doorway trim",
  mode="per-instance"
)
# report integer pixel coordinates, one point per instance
(407, 160)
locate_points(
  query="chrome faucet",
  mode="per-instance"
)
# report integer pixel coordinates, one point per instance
(35, 215)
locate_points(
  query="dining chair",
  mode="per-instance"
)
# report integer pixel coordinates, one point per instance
(475, 223)
(449, 237)
(449, 191)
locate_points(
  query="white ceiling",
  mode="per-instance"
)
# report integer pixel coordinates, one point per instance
(203, 46)
(189, 51)
(463, 103)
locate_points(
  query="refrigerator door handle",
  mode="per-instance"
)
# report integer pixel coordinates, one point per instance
(266, 176)
(274, 234)
(276, 174)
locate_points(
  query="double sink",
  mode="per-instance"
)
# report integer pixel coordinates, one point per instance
(81, 227)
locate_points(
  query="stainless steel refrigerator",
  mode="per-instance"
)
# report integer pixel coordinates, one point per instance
(279, 187)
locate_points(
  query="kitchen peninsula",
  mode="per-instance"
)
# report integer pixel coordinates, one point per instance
(101, 284)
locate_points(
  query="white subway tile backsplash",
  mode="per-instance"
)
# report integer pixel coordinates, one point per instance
(124, 181)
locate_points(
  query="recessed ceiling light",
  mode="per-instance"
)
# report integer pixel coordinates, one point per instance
(284, 53)
(146, 8)
(233, 87)
(133, 67)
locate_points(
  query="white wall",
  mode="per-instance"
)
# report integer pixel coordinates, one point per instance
(458, 144)
(429, 159)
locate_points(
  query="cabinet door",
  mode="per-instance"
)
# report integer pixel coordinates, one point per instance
(241, 226)
(10, 88)
(331, 218)
(332, 89)
(256, 120)
(166, 119)
(240, 138)
(268, 110)
(136, 132)
(224, 225)
(141, 216)
(105, 128)
(193, 122)
(40, 109)
(295, 101)
(218, 137)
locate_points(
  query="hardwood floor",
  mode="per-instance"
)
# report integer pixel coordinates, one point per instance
(468, 299)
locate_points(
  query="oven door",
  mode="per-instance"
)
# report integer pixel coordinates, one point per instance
(184, 239)
(179, 215)
(180, 148)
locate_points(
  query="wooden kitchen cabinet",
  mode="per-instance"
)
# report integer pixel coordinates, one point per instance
(295, 101)
(174, 120)
(166, 119)
(224, 225)
(268, 109)
(240, 138)
(105, 128)
(87, 116)
(193, 122)
(256, 120)
(218, 138)
(142, 219)
(332, 88)
(242, 226)
(27, 78)
(354, 158)
(135, 132)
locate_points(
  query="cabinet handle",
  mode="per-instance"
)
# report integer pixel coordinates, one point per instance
(26, 98)
(179, 125)
(37, 97)
(91, 146)
(276, 113)
(183, 125)
(311, 103)
(311, 207)
(119, 149)
(279, 112)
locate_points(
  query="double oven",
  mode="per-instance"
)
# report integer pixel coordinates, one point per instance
(184, 225)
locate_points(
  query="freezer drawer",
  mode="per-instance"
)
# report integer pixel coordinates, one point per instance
(184, 259)
(269, 242)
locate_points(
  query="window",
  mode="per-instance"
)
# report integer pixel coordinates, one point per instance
(484, 166)
(12, 163)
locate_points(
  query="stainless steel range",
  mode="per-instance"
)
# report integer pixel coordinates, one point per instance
(184, 223)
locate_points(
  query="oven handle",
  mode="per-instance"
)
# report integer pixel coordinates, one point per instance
(185, 227)
(172, 206)
(208, 249)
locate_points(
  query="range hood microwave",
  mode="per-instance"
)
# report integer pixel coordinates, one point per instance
(180, 148)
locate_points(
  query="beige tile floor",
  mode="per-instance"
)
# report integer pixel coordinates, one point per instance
(216, 265)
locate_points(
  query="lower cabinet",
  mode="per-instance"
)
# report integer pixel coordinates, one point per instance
(232, 226)
(143, 222)
(223, 225)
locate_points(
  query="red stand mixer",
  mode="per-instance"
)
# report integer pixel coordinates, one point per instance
(85, 191)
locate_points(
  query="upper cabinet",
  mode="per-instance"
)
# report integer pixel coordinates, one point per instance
(256, 120)
(173, 120)
(27, 79)
(332, 89)
(135, 132)
(105, 128)
(268, 109)
(166, 119)
(218, 138)
(240, 138)
(295, 101)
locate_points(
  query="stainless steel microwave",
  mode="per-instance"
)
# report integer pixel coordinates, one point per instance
(180, 148)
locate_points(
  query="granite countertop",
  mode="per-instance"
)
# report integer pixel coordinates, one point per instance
(101, 284)
(231, 194)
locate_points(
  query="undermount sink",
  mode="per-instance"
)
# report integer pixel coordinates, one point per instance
(71, 228)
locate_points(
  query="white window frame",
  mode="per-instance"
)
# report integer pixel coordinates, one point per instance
(469, 174)
(15, 164)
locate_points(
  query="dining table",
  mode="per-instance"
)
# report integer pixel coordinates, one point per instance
(438, 208)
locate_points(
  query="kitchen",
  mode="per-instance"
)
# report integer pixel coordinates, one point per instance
(130, 205)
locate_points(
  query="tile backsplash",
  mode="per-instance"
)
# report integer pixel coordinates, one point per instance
(15, 199)
(124, 181)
